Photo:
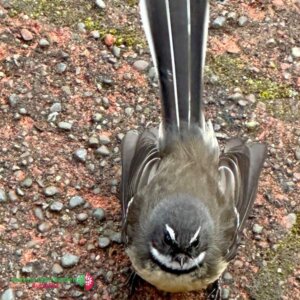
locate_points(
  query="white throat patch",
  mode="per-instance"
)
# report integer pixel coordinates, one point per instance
(167, 260)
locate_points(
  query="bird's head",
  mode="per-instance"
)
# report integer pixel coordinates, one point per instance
(179, 233)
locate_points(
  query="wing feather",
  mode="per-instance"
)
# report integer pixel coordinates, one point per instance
(245, 160)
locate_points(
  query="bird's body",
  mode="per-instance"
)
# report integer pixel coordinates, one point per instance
(184, 203)
(185, 164)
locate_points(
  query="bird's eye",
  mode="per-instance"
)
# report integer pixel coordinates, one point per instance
(168, 239)
(195, 243)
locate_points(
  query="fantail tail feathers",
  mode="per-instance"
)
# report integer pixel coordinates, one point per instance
(176, 31)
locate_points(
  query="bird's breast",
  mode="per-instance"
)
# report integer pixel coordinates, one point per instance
(174, 283)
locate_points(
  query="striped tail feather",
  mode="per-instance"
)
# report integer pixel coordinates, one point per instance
(176, 31)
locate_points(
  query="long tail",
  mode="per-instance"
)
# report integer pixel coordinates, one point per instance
(176, 31)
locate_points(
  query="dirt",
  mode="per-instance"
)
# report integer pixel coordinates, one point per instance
(252, 59)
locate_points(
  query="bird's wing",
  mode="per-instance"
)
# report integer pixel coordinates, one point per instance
(140, 160)
(129, 144)
(240, 168)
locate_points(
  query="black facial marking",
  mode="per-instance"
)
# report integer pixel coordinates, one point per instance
(195, 243)
(167, 238)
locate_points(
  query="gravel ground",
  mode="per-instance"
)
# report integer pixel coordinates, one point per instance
(74, 77)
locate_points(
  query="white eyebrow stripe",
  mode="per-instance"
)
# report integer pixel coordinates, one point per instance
(171, 232)
(195, 235)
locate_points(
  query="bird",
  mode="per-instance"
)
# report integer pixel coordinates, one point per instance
(184, 201)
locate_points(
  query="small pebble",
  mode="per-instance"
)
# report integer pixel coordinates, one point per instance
(19, 294)
(141, 65)
(109, 276)
(65, 125)
(242, 21)
(27, 182)
(271, 43)
(52, 117)
(44, 227)
(12, 196)
(56, 206)
(261, 105)
(116, 237)
(2, 14)
(257, 229)
(39, 213)
(8, 295)
(67, 90)
(238, 263)
(242, 103)
(120, 136)
(99, 214)
(50, 191)
(81, 27)
(27, 269)
(228, 278)
(20, 192)
(251, 98)
(219, 22)
(104, 139)
(44, 43)
(116, 51)
(232, 16)
(23, 111)
(82, 217)
(127, 76)
(114, 182)
(57, 269)
(3, 196)
(296, 52)
(290, 220)
(103, 242)
(13, 100)
(297, 153)
(93, 141)
(129, 111)
(97, 117)
(105, 102)
(100, 4)
(76, 201)
(95, 34)
(26, 35)
(153, 74)
(225, 293)
(107, 80)
(55, 107)
(236, 97)
(109, 40)
(103, 150)
(61, 68)
(252, 125)
(222, 136)
(69, 260)
(80, 154)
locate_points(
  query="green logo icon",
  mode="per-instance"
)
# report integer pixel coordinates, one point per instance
(80, 280)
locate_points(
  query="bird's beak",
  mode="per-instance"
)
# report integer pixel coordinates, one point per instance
(181, 259)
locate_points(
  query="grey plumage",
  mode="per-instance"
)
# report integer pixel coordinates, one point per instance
(184, 204)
